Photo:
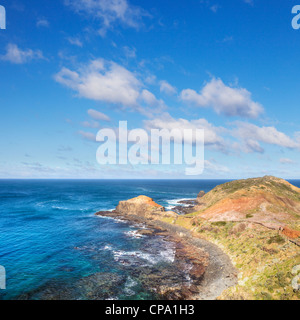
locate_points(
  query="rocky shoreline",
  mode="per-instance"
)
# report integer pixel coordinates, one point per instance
(187, 206)
(208, 269)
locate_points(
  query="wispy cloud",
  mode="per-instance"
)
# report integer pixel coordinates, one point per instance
(129, 52)
(214, 8)
(91, 124)
(212, 136)
(286, 161)
(75, 41)
(150, 99)
(42, 23)
(251, 2)
(227, 39)
(224, 99)
(252, 135)
(167, 88)
(38, 167)
(97, 115)
(64, 149)
(215, 168)
(18, 56)
(110, 12)
(88, 135)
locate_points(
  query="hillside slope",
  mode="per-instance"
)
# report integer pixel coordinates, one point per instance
(271, 201)
(257, 223)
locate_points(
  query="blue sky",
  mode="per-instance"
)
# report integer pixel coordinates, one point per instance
(71, 67)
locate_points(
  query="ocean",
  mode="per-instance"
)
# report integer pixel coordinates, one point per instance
(53, 246)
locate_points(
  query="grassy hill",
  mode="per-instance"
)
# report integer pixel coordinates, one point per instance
(257, 223)
(270, 201)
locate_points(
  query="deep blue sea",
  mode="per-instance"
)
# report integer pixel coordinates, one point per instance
(54, 247)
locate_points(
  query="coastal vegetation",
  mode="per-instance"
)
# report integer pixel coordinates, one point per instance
(256, 222)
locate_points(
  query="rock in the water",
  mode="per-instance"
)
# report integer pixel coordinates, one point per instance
(98, 286)
(139, 206)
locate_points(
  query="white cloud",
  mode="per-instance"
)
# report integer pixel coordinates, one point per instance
(249, 135)
(211, 133)
(75, 41)
(252, 135)
(97, 115)
(286, 161)
(167, 88)
(251, 2)
(38, 167)
(64, 148)
(18, 56)
(88, 135)
(151, 105)
(227, 39)
(91, 124)
(224, 99)
(252, 146)
(110, 12)
(129, 52)
(102, 81)
(214, 167)
(215, 8)
(150, 79)
(42, 23)
(148, 97)
(109, 82)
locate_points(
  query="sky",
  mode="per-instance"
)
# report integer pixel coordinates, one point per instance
(69, 68)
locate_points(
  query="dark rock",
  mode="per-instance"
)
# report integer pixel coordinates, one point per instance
(191, 202)
(183, 210)
(98, 286)
(200, 195)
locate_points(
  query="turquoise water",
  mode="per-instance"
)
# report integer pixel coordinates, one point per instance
(50, 238)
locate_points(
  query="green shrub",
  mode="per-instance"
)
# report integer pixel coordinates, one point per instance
(219, 223)
(276, 239)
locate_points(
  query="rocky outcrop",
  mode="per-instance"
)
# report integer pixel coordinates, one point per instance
(140, 206)
(199, 196)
